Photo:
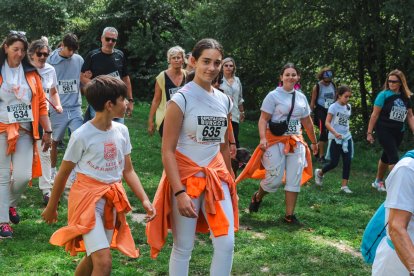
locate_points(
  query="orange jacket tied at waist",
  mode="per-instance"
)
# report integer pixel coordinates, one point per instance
(215, 172)
(84, 194)
(254, 168)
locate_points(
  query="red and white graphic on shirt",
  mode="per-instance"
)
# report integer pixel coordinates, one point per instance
(110, 151)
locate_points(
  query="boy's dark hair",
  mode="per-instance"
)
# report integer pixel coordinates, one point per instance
(71, 41)
(102, 89)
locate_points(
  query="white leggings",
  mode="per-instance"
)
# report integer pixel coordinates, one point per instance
(276, 162)
(183, 229)
(45, 182)
(22, 160)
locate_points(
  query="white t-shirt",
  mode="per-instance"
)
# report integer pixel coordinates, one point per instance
(49, 79)
(278, 103)
(340, 118)
(99, 154)
(205, 122)
(15, 97)
(400, 191)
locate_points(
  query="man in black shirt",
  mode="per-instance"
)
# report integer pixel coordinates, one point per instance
(108, 61)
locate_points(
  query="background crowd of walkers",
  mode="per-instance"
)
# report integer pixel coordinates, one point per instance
(197, 112)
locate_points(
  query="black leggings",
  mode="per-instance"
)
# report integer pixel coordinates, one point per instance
(236, 133)
(320, 116)
(335, 152)
(390, 139)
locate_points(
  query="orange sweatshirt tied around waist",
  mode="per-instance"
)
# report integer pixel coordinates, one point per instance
(254, 168)
(215, 172)
(84, 194)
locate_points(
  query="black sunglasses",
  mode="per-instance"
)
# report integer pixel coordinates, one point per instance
(39, 54)
(394, 81)
(114, 40)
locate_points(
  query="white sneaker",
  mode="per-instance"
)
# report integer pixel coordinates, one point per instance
(379, 186)
(318, 178)
(346, 190)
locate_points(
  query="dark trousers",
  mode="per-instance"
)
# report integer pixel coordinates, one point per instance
(236, 133)
(335, 152)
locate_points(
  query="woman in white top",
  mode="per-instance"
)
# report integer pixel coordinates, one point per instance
(196, 158)
(284, 154)
(22, 108)
(231, 85)
(38, 52)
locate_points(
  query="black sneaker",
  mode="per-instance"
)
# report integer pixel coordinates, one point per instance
(254, 204)
(5, 231)
(46, 198)
(13, 215)
(292, 220)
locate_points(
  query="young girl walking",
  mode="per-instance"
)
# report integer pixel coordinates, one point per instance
(340, 139)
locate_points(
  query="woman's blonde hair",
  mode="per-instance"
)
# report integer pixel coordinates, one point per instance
(175, 51)
(404, 87)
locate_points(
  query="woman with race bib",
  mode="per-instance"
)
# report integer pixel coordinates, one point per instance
(22, 108)
(38, 52)
(282, 155)
(197, 192)
(392, 107)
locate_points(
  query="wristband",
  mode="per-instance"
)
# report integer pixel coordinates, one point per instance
(131, 100)
(179, 192)
(369, 133)
(232, 143)
(48, 132)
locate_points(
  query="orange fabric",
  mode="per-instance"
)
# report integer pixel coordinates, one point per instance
(84, 194)
(39, 108)
(254, 168)
(157, 230)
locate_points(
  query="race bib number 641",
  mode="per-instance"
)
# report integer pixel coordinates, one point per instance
(211, 129)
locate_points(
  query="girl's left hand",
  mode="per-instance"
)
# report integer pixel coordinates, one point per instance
(151, 213)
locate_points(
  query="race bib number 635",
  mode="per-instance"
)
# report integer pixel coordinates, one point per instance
(211, 129)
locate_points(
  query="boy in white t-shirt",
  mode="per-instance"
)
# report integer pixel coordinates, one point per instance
(99, 152)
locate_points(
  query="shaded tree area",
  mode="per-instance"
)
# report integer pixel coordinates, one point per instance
(360, 40)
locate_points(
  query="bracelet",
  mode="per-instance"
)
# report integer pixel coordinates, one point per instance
(369, 133)
(232, 143)
(241, 112)
(179, 192)
(131, 100)
(48, 132)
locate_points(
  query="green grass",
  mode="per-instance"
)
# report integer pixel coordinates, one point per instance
(328, 244)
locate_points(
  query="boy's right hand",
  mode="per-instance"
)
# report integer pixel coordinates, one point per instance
(49, 215)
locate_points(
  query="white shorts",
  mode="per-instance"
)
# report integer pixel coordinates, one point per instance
(69, 118)
(99, 237)
(276, 163)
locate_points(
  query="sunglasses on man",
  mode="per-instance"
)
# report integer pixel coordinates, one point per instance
(114, 40)
(40, 54)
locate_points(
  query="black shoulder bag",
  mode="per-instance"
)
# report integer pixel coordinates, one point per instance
(279, 128)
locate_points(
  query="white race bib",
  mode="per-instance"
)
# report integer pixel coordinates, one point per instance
(398, 113)
(19, 113)
(174, 90)
(293, 127)
(211, 129)
(341, 119)
(328, 102)
(68, 86)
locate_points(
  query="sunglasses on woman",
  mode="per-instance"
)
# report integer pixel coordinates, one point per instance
(40, 54)
(394, 81)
